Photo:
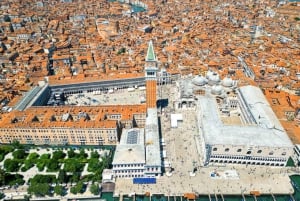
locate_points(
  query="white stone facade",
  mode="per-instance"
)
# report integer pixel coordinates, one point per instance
(129, 170)
(251, 155)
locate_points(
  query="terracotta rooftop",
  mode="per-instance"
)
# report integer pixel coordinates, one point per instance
(104, 40)
(68, 116)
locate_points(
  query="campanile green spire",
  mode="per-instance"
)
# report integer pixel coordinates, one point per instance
(150, 53)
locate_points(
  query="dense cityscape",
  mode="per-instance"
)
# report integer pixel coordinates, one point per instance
(149, 100)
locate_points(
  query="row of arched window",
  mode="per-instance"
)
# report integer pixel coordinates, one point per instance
(248, 158)
(247, 162)
(249, 151)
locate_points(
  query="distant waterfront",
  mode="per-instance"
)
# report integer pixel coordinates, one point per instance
(136, 6)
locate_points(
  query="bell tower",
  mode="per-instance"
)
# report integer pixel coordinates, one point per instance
(150, 75)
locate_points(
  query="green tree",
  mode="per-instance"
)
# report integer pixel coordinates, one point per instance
(1, 157)
(39, 189)
(2, 195)
(42, 161)
(49, 179)
(27, 165)
(58, 155)
(80, 187)
(82, 154)
(93, 165)
(95, 189)
(88, 177)
(106, 162)
(52, 165)
(33, 156)
(13, 179)
(20, 154)
(40, 165)
(2, 177)
(62, 176)
(73, 190)
(94, 154)
(59, 190)
(71, 153)
(97, 175)
(75, 177)
(16, 145)
(45, 156)
(5, 149)
(72, 165)
(11, 165)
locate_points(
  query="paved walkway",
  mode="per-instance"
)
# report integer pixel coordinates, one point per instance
(231, 180)
(21, 191)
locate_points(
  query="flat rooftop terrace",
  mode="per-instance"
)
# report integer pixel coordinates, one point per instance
(232, 117)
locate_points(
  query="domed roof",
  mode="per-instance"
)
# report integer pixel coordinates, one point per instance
(216, 89)
(209, 73)
(213, 78)
(199, 80)
(227, 82)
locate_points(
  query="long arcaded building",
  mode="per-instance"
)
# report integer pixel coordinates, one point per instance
(89, 125)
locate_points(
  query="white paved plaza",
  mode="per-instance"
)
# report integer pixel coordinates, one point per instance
(182, 154)
(183, 148)
(117, 97)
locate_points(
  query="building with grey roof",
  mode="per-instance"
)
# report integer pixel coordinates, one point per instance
(129, 159)
(236, 125)
(257, 138)
(138, 154)
(153, 158)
